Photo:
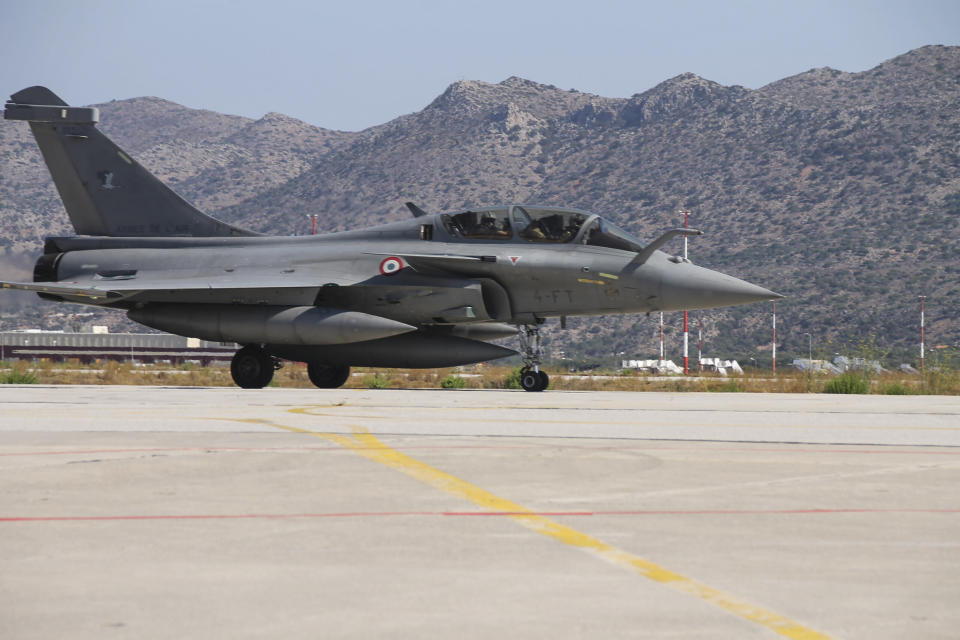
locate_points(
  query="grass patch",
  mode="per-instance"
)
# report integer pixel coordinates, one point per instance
(18, 375)
(941, 381)
(848, 382)
(377, 381)
(453, 382)
(512, 380)
(732, 386)
(895, 389)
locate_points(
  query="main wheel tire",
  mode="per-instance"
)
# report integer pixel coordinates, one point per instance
(327, 376)
(530, 380)
(251, 367)
(544, 381)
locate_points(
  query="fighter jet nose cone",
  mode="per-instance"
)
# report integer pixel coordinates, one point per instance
(748, 292)
(692, 287)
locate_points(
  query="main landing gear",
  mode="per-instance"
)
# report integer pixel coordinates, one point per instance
(252, 367)
(327, 376)
(531, 377)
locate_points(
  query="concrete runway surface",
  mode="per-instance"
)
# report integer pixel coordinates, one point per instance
(152, 512)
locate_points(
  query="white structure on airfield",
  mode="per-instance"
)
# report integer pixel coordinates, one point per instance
(723, 367)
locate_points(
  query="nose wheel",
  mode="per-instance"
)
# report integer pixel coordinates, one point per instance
(531, 377)
(532, 380)
(252, 367)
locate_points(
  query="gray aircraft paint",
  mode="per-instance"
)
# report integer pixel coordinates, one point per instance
(401, 294)
(104, 190)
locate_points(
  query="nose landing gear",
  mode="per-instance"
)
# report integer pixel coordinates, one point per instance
(532, 380)
(531, 377)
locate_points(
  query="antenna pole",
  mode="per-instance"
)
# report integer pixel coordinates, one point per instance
(700, 343)
(661, 338)
(686, 352)
(773, 350)
(922, 300)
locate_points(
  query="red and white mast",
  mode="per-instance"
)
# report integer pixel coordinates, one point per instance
(661, 338)
(686, 352)
(922, 299)
(700, 343)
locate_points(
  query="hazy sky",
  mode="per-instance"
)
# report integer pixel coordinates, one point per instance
(350, 65)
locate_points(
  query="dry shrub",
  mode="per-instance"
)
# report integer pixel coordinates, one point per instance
(847, 383)
(423, 378)
(941, 381)
(109, 373)
(207, 377)
(18, 374)
(293, 375)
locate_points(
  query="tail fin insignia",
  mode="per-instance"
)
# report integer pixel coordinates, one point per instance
(105, 191)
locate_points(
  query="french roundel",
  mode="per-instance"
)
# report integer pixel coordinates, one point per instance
(391, 265)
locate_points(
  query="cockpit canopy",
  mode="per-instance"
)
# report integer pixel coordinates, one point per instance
(533, 224)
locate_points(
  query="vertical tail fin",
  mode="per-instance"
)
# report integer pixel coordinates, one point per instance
(104, 190)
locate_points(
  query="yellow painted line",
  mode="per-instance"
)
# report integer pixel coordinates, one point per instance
(589, 281)
(609, 276)
(365, 444)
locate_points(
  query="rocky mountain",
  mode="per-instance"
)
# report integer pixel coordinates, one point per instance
(840, 190)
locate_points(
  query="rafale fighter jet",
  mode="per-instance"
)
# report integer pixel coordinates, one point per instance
(429, 291)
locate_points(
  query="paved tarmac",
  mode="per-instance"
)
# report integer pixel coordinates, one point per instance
(151, 512)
